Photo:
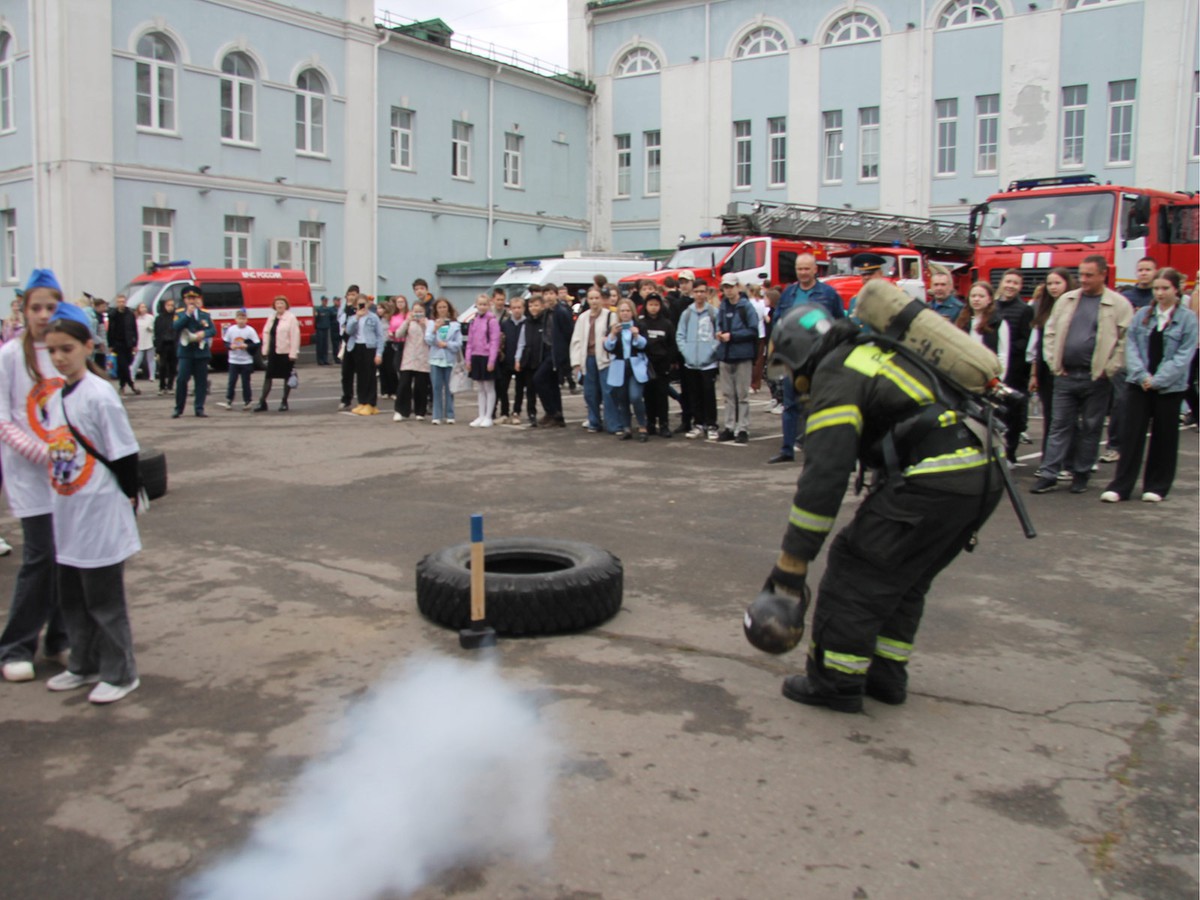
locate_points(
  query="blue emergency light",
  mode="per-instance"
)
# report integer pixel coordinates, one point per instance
(1028, 184)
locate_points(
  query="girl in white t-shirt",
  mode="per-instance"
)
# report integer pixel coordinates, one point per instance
(27, 380)
(93, 474)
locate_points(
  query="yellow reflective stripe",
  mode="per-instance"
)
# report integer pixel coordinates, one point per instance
(948, 418)
(963, 458)
(866, 360)
(802, 518)
(906, 383)
(892, 649)
(836, 415)
(847, 662)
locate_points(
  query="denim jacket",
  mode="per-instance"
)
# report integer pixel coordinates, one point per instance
(1179, 342)
(444, 356)
(368, 331)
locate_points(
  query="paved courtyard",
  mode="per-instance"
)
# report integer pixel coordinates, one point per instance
(1049, 748)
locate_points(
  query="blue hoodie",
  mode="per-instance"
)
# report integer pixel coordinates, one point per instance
(741, 322)
(696, 337)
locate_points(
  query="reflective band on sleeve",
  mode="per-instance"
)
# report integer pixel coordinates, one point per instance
(906, 383)
(867, 359)
(846, 662)
(802, 518)
(892, 649)
(948, 418)
(959, 460)
(836, 415)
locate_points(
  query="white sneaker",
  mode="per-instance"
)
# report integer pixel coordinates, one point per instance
(435, 421)
(485, 423)
(69, 681)
(1064, 475)
(225, 404)
(476, 422)
(419, 418)
(396, 417)
(713, 434)
(111, 693)
(694, 433)
(5, 547)
(1151, 497)
(18, 670)
(448, 421)
(1110, 497)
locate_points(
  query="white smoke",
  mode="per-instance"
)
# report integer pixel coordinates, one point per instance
(443, 765)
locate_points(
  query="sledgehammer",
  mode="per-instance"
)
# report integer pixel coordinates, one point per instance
(480, 634)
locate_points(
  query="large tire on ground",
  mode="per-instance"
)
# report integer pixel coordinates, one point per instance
(152, 467)
(532, 585)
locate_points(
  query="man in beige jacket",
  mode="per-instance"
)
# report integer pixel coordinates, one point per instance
(1084, 346)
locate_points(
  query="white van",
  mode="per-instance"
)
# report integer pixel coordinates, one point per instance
(574, 269)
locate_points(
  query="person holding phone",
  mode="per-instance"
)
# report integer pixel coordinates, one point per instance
(412, 392)
(628, 370)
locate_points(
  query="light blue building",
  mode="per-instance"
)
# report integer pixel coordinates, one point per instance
(253, 134)
(918, 107)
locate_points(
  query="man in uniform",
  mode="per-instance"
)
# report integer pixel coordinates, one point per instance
(932, 488)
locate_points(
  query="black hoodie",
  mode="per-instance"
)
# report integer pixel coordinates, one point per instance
(659, 332)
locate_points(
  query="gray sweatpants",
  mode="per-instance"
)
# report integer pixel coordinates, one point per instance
(93, 604)
(734, 384)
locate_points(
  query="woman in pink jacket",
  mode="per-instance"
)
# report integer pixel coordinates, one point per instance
(483, 348)
(280, 347)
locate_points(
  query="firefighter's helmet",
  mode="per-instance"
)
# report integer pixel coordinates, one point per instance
(794, 341)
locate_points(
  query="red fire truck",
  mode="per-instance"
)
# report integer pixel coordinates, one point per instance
(1040, 223)
(754, 259)
(224, 292)
(910, 246)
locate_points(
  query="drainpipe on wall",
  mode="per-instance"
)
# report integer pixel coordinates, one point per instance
(491, 169)
(708, 126)
(383, 39)
(35, 83)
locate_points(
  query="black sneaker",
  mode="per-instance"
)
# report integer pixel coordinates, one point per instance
(1079, 484)
(742, 438)
(1044, 486)
(725, 436)
(796, 687)
(665, 431)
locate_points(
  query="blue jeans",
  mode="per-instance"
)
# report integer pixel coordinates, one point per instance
(793, 417)
(593, 392)
(236, 371)
(631, 392)
(1080, 405)
(443, 400)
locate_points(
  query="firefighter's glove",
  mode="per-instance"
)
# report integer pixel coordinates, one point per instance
(789, 576)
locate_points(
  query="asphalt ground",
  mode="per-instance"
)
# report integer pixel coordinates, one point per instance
(1048, 748)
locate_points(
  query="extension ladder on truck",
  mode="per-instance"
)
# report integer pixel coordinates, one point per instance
(823, 223)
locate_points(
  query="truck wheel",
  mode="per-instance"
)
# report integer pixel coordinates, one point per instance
(152, 468)
(532, 586)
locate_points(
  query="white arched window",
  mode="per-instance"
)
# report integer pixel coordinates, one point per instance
(6, 83)
(761, 41)
(156, 82)
(310, 112)
(237, 98)
(638, 61)
(958, 13)
(853, 28)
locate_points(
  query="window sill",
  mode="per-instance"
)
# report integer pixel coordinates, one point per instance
(404, 168)
(945, 176)
(514, 187)
(6, 131)
(1071, 166)
(776, 185)
(653, 196)
(986, 173)
(1122, 164)
(465, 178)
(159, 132)
(241, 145)
(874, 180)
(742, 189)
(308, 154)
(622, 196)
(831, 184)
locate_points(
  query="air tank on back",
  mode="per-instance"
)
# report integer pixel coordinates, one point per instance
(930, 336)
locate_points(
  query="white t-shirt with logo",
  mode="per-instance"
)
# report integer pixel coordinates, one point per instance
(240, 339)
(25, 405)
(94, 525)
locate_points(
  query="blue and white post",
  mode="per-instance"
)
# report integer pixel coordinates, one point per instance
(480, 634)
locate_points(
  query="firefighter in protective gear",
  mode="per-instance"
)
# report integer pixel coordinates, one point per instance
(930, 491)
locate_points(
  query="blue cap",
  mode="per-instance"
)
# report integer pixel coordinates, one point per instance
(66, 310)
(241, 312)
(42, 278)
